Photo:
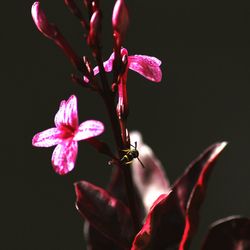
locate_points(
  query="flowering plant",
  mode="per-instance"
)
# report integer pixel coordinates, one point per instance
(139, 209)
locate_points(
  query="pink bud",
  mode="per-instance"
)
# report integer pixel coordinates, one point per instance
(120, 21)
(52, 32)
(95, 29)
(42, 23)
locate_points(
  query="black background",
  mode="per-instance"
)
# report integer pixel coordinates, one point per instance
(203, 98)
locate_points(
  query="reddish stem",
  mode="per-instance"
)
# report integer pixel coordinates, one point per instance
(121, 144)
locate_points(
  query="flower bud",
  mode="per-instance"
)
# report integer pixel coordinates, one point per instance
(47, 29)
(95, 29)
(52, 32)
(120, 21)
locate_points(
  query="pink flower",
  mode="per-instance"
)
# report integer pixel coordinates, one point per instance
(65, 135)
(147, 66)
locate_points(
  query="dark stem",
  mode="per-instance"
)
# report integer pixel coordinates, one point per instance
(109, 99)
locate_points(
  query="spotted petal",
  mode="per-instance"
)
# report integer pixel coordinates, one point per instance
(47, 138)
(147, 66)
(67, 113)
(88, 129)
(64, 157)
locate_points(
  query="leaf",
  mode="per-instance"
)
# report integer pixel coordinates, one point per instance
(196, 198)
(97, 241)
(150, 180)
(105, 213)
(165, 222)
(231, 233)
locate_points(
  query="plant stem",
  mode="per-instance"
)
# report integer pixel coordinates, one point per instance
(108, 98)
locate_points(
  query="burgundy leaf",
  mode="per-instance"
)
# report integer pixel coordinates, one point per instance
(196, 198)
(105, 213)
(95, 239)
(98, 241)
(165, 222)
(150, 178)
(231, 233)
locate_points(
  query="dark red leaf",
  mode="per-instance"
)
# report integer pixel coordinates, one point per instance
(165, 222)
(232, 233)
(105, 213)
(98, 241)
(149, 179)
(196, 198)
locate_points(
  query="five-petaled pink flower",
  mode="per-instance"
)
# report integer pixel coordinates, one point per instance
(66, 134)
(147, 66)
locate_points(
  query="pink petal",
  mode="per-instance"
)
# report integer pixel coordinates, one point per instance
(89, 129)
(47, 138)
(108, 65)
(64, 157)
(67, 113)
(147, 66)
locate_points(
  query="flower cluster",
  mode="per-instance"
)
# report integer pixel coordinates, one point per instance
(139, 209)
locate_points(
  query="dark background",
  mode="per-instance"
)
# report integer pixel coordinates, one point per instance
(203, 98)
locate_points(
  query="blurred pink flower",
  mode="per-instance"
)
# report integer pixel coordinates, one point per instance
(65, 135)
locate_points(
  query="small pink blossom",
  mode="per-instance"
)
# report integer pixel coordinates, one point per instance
(147, 66)
(66, 134)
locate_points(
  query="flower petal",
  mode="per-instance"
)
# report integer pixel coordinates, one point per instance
(89, 129)
(108, 65)
(64, 157)
(67, 113)
(147, 66)
(47, 138)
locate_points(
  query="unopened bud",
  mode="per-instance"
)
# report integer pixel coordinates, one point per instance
(95, 29)
(47, 29)
(120, 21)
(52, 32)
